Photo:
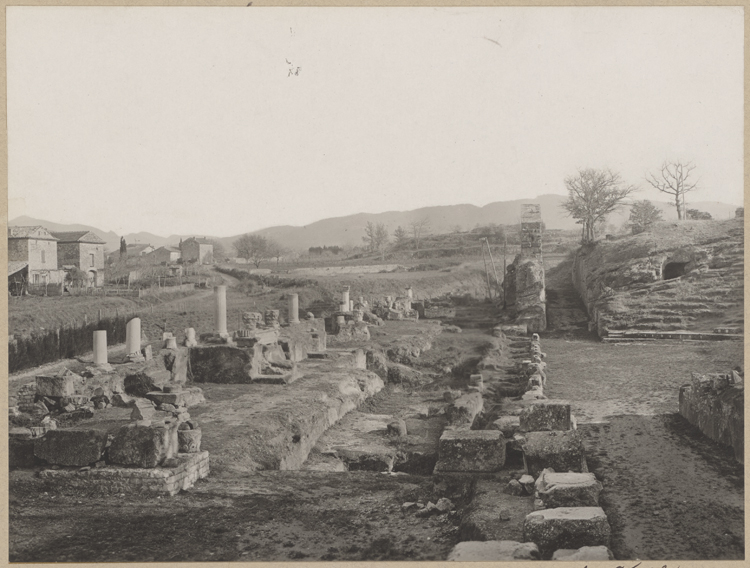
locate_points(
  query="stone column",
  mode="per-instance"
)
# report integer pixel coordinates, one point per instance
(351, 305)
(409, 292)
(293, 308)
(220, 311)
(133, 336)
(100, 347)
(345, 298)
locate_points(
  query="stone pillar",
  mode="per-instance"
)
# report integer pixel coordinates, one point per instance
(351, 305)
(220, 311)
(171, 343)
(409, 293)
(343, 308)
(133, 336)
(345, 298)
(293, 308)
(190, 337)
(100, 347)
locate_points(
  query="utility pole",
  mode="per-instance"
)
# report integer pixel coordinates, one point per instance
(484, 258)
(505, 254)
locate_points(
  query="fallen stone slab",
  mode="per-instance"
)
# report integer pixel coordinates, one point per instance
(508, 425)
(465, 408)
(186, 397)
(559, 450)
(71, 447)
(58, 386)
(144, 446)
(546, 415)
(471, 450)
(585, 553)
(494, 551)
(567, 527)
(568, 489)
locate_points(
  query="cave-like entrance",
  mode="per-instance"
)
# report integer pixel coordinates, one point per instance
(673, 270)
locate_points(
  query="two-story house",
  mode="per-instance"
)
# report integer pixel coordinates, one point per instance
(32, 256)
(85, 251)
(197, 250)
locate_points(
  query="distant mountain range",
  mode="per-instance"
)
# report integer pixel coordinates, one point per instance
(349, 230)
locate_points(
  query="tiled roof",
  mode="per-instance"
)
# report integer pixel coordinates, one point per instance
(78, 237)
(36, 232)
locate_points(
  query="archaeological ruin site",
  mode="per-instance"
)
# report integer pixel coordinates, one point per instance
(575, 407)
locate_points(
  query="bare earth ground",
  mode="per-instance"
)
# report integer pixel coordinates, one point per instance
(669, 492)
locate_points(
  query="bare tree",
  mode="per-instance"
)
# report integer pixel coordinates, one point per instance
(419, 228)
(592, 195)
(275, 250)
(253, 248)
(674, 179)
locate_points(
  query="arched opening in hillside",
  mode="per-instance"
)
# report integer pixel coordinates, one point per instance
(673, 270)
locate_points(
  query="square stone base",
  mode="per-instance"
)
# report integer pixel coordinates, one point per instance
(114, 479)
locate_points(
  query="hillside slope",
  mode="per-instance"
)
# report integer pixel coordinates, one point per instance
(678, 276)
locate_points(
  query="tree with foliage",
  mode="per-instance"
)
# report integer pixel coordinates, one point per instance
(592, 195)
(76, 277)
(253, 248)
(381, 236)
(219, 252)
(400, 235)
(674, 179)
(123, 248)
(419, 228)
(696, 215)
(643, 214)
(376, 237)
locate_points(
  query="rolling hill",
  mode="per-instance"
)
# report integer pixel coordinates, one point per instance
(348, 230)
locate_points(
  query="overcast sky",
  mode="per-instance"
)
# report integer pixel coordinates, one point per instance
(219, 121)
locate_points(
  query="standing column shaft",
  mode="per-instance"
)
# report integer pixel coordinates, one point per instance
(345, 298)
(293, 308)
(100, 347)
(133, 336)
(220, 312)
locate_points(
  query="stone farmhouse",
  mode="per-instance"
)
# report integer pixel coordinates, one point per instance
(83, 250)
(32, 256)
(197, 250)
(163, 255)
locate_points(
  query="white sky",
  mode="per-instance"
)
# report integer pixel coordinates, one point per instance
(186, 120)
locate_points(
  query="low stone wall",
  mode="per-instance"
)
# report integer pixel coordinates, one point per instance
(715, 404)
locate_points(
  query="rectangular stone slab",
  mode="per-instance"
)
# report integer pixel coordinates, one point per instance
(471, 450)
(546, 415)
(494, 551)
(567, 527)
(559, 450)
(465, 408)
(568, 490)
(57, 386)
(71, 447)
(143, 446)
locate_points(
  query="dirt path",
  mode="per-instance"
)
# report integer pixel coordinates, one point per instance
(669, 492)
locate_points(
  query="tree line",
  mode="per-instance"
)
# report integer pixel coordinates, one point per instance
(594, 194)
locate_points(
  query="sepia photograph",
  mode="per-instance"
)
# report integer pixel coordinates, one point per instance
(352, 284)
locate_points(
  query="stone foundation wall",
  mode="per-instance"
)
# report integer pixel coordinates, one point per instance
(113, 479)
(528, 293)
(715, 404)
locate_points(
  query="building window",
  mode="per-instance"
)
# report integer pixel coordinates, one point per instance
(91, 258)
(43, 260)
(36, 279)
